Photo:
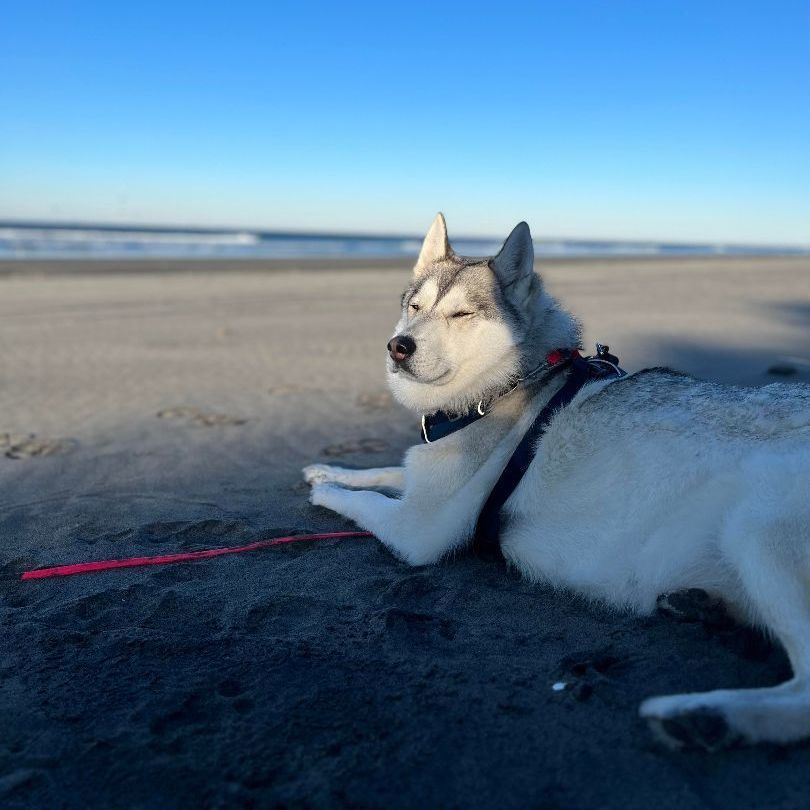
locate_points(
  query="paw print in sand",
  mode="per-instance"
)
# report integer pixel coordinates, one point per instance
(194, 416)
(367, 445)
(583, 673)
(30, 446)
(380, 401)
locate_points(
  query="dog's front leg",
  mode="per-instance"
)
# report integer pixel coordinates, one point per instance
(413, 531)
(393, 477)
(373, 511)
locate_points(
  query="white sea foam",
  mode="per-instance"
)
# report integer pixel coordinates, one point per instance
(89, 236)
(36, 242)
(63, 241)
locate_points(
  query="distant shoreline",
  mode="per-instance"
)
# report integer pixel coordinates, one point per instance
(212, 265)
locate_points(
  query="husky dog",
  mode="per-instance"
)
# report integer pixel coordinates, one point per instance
(709, 485)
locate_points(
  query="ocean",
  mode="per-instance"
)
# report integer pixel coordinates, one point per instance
(80, 241)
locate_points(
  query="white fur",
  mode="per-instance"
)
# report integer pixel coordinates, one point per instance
(691, 485)
(457, 363)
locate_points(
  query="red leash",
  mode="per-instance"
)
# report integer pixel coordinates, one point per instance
(188, 556)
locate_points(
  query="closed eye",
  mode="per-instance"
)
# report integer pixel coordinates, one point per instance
(461, 314)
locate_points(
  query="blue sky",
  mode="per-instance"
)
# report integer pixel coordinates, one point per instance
(673, 120)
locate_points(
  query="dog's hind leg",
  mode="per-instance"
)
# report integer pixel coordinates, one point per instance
(766, 543)
(393, 477)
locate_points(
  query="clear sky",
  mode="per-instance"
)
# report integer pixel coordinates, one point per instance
(656, 119)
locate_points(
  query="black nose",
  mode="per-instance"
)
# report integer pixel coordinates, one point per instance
(401, 347)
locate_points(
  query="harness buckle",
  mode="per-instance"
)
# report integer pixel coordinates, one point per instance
(604, 357)
(603, 353)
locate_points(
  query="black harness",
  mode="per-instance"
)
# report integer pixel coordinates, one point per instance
(580, 370)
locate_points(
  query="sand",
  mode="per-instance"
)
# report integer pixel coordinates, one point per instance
(158, 407)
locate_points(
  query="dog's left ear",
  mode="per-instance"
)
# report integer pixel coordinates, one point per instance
(514, 264)
(516, 258)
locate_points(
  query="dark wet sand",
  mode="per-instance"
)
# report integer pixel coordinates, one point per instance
(151, 412)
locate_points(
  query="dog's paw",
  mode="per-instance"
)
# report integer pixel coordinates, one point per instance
(689, 726)
(702, 730)
(693, 605)
(322, 494)
(318, 473)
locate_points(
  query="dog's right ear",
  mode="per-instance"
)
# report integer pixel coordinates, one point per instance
(435, 247)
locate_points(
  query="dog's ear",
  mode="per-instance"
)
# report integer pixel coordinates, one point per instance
(435, 247)
(514, 264)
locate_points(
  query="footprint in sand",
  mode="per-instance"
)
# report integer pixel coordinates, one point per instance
(29, 446)
(585, 672)
(412, 586)
(194, 416)
(404, 625)
(368, 445)
(380, 401)
(190, 535)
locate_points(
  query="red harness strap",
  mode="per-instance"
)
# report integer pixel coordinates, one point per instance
(188, 556)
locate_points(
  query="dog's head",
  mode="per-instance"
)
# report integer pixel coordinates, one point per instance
(465, 323)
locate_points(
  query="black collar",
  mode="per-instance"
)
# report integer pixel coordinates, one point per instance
(440, 424)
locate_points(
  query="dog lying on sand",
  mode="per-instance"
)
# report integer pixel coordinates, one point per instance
(640, 485)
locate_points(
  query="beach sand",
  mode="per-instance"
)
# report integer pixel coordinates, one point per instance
(150, 407)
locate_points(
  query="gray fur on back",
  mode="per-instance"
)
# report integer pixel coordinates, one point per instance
(660, 399)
